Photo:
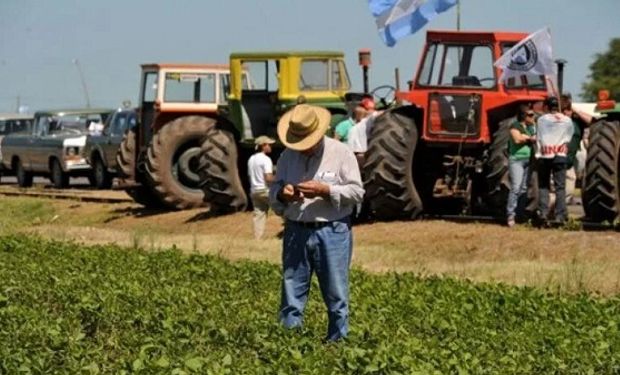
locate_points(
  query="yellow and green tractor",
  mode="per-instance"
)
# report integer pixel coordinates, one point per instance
(263, 86)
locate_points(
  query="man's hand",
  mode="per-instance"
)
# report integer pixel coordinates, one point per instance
(313, 189)
(289, 194)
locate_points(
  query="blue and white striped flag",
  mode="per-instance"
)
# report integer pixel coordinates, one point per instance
(398, 18)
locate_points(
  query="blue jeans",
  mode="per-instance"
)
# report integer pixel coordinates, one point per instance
(519, 181)
(326, 251)
(557, 168)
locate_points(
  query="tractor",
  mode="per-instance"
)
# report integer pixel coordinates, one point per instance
(445, 150)
(601, 188)
(282, 79)
(158, 159)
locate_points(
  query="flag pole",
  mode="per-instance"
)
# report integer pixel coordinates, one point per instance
(458, 15)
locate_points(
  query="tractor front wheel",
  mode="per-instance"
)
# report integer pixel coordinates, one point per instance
(126, 164)
(220, 174)
(388, 169)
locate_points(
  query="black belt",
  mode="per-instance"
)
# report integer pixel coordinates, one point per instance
(313, 224)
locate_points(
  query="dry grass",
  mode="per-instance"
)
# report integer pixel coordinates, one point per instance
(567, 261)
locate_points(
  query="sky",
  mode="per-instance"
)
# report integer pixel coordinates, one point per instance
(41, 40)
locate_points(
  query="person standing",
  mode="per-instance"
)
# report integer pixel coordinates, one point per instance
(260, 172)
(553, 134)
(342, 130)
(358, 136)
(522, 135)
(317, 184)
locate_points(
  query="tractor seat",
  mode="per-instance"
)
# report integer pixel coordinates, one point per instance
(465, 81)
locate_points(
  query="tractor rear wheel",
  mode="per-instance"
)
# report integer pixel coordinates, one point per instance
(126, 164)
(173, 159)
(602, 179)
(388, 169)
(220, 174)
(498, 179)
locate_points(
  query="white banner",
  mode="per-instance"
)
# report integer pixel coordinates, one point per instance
(532, 55)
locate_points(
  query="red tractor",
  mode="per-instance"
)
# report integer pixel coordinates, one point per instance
(445, 152)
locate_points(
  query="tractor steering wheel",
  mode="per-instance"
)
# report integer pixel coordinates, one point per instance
(384, 95)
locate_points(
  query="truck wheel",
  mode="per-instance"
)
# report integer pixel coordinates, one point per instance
(220, 174)
(59, 178)
(602, 179)
(498, 179)
(24, 179)
(172, 161)
(126, 164)
(101, 179)
(389, 167)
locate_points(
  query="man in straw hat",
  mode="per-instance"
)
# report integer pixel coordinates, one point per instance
(260, 172)
(317, 184)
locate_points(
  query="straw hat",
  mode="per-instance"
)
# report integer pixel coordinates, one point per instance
(303, 126)
(263, 140)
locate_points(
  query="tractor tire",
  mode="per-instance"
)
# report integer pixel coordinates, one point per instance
(100, 178)
(601, 192)
(126, 164)
(219, 172)
(24, 179)
(59, 178)
(498, 179)
(173, 159)
(388, 169)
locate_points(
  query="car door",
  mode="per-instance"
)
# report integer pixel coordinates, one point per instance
(35, 151)
(115, 137)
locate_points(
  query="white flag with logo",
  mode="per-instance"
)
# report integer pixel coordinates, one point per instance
(532, 55)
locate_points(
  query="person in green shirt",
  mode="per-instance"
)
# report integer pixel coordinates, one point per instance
(522, 136)
(342, 129)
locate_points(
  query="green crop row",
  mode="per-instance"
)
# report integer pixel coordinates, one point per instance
(69, 309)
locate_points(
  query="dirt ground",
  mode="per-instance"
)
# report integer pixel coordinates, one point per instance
(553, 259)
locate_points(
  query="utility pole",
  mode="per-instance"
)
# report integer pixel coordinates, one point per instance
(79, 68)
(18, 104)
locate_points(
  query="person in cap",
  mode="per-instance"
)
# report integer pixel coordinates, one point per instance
(359, 134)
(317, 184)
(553, 134)
(260, 171)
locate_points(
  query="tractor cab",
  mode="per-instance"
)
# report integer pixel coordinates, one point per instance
(457, 87)
(173, 90)
(279, 81)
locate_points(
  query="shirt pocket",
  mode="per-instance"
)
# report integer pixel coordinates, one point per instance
(328, 177)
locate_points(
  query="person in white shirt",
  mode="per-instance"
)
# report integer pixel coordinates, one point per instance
(554, 132)
(260, 171)
(358, 136)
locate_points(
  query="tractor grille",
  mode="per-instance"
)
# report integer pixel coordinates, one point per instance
(454, 115)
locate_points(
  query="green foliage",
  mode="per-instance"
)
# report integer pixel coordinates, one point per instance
(605, 73)
(65, 308)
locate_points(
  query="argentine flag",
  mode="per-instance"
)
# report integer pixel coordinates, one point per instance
(398, 18)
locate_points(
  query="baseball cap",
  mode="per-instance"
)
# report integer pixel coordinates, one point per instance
(368, 104)
(263, 139)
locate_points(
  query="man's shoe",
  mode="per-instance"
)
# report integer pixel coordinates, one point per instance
(511, 221)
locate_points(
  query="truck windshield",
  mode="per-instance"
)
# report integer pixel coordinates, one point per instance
(69, 123)
(323, 75)
(453, 65)
(190, 87)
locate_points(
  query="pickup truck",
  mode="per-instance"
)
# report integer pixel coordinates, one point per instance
(12, 123)
(53, 146)
(101, 147)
